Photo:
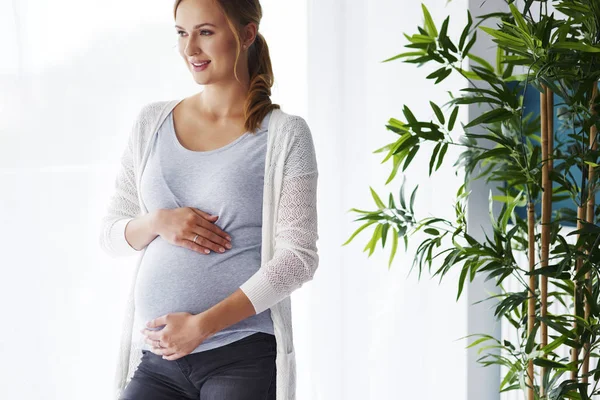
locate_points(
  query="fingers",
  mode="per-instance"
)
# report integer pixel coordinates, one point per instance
(202, 235)
(207, 221)
(209, 239)
(189, 244)
(213, 228)
(206, 240)
(204, 214)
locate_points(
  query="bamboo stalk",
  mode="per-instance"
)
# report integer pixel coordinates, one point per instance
(545, 115)
(531, 300)
(581, 214)
(590, 218)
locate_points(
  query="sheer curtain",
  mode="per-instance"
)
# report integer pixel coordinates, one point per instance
(73, 76)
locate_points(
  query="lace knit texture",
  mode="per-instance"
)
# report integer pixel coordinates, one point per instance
(289, 232)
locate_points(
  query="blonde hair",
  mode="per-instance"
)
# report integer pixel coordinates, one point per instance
(239, 13)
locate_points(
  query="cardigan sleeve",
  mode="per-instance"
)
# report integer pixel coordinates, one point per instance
(123, 205)
(295, 258)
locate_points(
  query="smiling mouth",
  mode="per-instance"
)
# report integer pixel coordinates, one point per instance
(200, 64)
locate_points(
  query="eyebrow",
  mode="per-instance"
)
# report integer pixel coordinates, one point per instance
(197, 26)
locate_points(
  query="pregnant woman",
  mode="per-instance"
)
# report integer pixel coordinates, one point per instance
(217, 195)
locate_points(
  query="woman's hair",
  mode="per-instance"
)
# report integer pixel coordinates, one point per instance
(238, 14)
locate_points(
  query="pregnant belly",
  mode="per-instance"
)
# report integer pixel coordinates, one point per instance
(175, 279)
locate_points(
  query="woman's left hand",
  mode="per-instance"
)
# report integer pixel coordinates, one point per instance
(183, 332)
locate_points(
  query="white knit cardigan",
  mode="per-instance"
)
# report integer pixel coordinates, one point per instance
(289, 255)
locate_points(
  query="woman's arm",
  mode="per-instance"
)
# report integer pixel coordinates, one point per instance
(123, 205)
(295, 259)
(140, 231)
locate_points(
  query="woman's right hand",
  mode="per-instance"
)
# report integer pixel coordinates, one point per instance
(179, 226)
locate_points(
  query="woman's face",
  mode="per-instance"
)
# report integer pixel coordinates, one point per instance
(204, 35)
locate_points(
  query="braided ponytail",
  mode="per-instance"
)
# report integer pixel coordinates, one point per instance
(258, 102)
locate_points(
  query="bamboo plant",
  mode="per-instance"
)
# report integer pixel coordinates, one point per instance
(531, 162)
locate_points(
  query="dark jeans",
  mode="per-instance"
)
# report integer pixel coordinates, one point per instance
(242, 370)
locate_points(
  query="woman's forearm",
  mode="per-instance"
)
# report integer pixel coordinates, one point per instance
(139, 232)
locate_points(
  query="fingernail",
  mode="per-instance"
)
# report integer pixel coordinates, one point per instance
(228, 237)
(228, 245)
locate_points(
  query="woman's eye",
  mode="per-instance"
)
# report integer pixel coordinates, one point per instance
(201, 32)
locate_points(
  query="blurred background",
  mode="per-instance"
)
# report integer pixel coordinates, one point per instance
(73, 75)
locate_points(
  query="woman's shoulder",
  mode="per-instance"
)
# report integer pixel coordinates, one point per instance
(291, 124)
(148, 116)
(154, 109)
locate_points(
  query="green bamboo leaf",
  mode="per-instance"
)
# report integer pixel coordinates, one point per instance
(481, 61)
(442, 35)
(429, 25)
(397, 124)
(519, 18)
(410, 156)
(407, 54)
(410, 117)
(397, 161)
(375, 239)
(412, 199)
(495, 115)
(421, 39)
(358, 231)
(396, 146)
(499, 58)
(509, 377)
(465, 31)
(554, 345)
(509, 210)
(575, 46)
(406, 144)
(401, 194)
(452, 118)
(531, 338)
(461, 280)
(436, 73)
(476, 99)
(433, 156)
(471, 75)
(503, 37)
(481, 340)
(384, 232)
(438, 112)
(360, 211)
(443, 75)
(381, 149)
(441, 156)
(377, 199)
(394, 246)
(518, 77)
(470, 44)
(543, 362)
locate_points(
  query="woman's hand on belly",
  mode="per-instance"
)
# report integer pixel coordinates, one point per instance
(191, 228)
(183, 332)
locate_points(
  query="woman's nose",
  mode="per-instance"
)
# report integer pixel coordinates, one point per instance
(190, 48)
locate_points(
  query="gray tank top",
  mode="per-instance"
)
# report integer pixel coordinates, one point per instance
(227, 182)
